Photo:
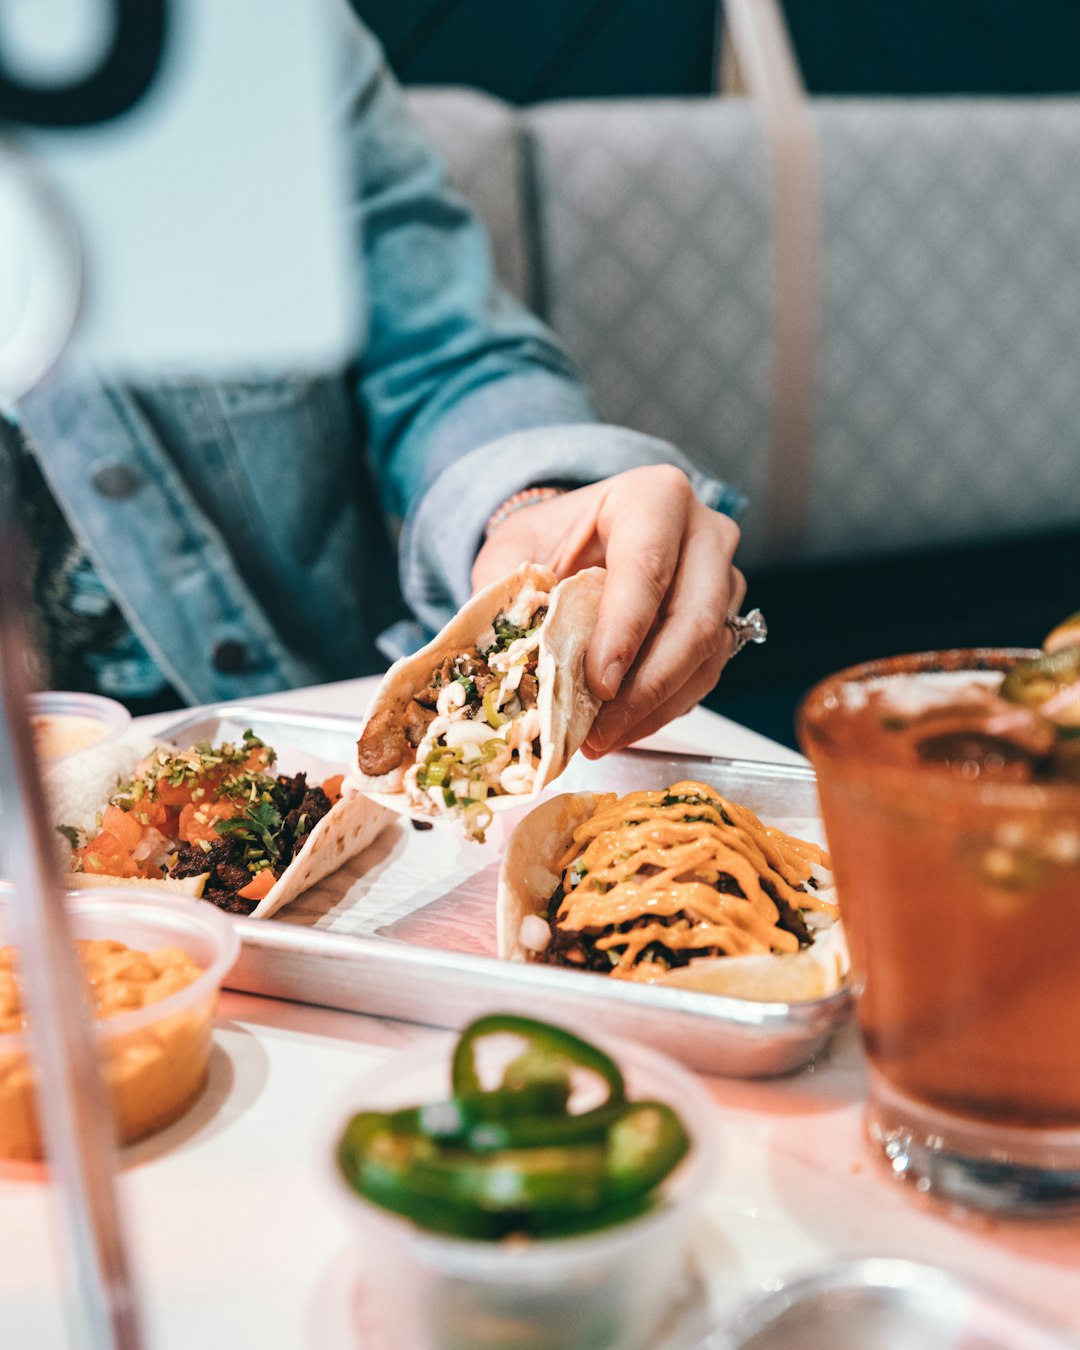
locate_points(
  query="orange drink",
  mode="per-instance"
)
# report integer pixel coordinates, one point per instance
(953, 819)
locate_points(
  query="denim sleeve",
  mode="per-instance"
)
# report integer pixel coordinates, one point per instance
(445, 528)
(468, 398)
(450, 361)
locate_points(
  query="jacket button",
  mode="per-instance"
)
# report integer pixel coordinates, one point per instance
(230, 656)
(115, 480)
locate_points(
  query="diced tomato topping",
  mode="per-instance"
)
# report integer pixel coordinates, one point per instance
(332, 787)
(259, 760)
(260, 885)
(199, 820)
(122, 826)
(172, 813)
(153, 815)
(178, 794)
(107, 855)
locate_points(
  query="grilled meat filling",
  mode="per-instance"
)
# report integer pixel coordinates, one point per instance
(301, 808)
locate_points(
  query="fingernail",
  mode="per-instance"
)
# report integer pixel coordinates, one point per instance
(612, 678)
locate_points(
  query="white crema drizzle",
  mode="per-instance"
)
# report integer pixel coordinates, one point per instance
(495, 761)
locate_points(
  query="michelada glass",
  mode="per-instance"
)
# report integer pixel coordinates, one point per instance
(957, 864)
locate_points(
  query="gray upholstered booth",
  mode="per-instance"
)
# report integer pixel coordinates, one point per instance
(943, 426)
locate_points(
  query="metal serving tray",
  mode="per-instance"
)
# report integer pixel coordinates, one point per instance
(407, 930)
(884, 1303)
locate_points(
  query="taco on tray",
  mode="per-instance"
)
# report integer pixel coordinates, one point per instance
(676, 886)
(493, 708)
(213, 821)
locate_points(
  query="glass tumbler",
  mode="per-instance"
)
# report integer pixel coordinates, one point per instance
(960, 894)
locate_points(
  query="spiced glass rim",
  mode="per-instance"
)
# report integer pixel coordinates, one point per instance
(821, 701)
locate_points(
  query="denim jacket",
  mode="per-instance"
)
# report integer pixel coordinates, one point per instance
(245, 526)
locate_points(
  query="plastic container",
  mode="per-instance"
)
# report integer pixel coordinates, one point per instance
(154, 1059)
(67, 723)
(609, 1290)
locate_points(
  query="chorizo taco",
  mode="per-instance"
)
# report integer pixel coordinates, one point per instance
(675, 887)
(213, 821)
(493, 708)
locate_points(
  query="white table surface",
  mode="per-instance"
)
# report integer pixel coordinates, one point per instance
(241, 1240)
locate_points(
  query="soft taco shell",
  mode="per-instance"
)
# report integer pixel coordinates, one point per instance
(529, 875)
(347, 829)
(350, 825)
(565, 705)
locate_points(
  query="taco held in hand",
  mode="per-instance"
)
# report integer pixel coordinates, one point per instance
(494, 707)
(676, 886)
(215, 821)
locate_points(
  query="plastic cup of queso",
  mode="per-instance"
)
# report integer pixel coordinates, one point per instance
(66, 723)
(612, 1289)
(154, 1058)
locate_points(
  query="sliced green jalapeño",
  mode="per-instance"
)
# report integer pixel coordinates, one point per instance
(489, 1162)
(549, 1052)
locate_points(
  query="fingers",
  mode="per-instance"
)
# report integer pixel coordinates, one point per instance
(683, 656)
(660, 640)
(642, 522)
(689, 696)
(700, 683)
(738, 595)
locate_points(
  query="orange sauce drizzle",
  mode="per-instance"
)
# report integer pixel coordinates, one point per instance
(692, 845)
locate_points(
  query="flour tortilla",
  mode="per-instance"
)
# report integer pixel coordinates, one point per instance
(566, 707)
(347, 829)
(530, 873)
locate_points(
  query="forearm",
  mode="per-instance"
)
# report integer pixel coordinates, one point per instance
(450, 362)
(445, 529)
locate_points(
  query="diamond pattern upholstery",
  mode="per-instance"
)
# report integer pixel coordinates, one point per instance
(655, 241)
(950, 323)
(950, 301)
(481, 140)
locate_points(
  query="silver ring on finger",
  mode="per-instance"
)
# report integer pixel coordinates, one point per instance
(746, 628)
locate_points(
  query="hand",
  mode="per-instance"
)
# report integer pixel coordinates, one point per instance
(660, 640)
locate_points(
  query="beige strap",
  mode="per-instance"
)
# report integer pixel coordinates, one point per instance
(759, 57)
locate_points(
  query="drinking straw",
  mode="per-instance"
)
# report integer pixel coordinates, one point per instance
(75, 1112)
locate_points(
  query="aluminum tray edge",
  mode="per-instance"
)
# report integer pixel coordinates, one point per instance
(736, 1038)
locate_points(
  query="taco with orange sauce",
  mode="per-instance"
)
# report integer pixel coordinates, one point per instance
(674, 887)
(493, 708)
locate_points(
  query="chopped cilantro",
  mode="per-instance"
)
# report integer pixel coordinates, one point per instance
(507, 632)
(696, 799)
(256, 825)
(71, 834)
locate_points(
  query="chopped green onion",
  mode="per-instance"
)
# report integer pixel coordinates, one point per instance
(491, 708)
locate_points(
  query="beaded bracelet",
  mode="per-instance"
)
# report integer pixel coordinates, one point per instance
(527, 497)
